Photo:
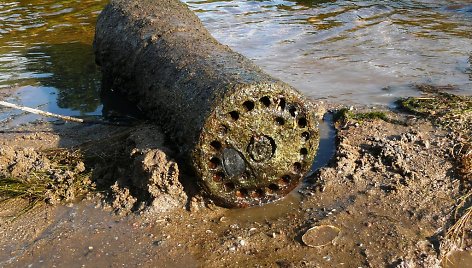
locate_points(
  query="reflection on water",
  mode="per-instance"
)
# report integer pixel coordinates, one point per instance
(347, 51)
(46, 52)
(71, 69)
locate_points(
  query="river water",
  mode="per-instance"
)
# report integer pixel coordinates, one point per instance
(352, 52)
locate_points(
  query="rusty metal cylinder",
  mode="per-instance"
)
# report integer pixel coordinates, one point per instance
(249, 137)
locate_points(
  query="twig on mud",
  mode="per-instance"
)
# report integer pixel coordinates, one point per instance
(43, 113)
(62, 117)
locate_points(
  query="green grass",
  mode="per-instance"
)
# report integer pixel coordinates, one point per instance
(344, 115)
(447, 110)
(40, 187)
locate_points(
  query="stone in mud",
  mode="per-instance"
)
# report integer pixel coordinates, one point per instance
(248, 136)
(320, 236)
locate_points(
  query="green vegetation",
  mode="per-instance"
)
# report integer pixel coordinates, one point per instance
(64, 179)
(345, 115)
(448, 110)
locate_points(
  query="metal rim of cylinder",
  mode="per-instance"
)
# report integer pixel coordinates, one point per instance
(256, 146)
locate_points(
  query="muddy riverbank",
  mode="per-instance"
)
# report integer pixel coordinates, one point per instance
(394, 193)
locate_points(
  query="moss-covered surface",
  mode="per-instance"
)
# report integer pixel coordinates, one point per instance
(345, 114)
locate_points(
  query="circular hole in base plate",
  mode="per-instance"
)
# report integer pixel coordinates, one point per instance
(302, 122)
(218, 177)
(297, 167)
(216, 145)
(303, 151)
(249, 105)
(265, 100)
(242, 193)
(280, 121)
(229, 186)
(273, 187)
(214, 162)
(234, 115)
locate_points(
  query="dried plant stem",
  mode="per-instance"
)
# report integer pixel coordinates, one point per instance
(43, 113)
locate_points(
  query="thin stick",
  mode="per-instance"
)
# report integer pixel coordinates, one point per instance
(43, 113)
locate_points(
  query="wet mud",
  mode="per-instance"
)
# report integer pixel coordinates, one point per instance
(389, 197)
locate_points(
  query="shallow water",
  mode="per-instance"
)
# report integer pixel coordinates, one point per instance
(46, 53)
(353, 52)
(365, 52)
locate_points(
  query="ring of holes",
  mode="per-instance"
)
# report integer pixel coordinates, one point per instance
(249, 105)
